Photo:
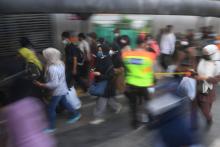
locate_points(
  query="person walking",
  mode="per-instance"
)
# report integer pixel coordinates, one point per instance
(23, 111)
(104, 71)
(72, 56)
(56, 82)
(139, 76)
(208, 77)
(167, 46)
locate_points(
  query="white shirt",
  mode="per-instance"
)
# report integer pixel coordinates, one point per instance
(187, 87)
(167, 43)
(84, 46)
(56, 80)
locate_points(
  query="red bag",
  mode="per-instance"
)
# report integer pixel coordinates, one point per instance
(91, 77)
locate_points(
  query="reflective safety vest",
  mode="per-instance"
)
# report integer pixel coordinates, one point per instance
(138, 67)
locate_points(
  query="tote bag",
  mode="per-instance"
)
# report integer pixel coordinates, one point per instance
(73, 99)
(98, 88)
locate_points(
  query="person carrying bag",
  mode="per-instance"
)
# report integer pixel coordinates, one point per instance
(98, 88)
(73, 99)
(103, 87)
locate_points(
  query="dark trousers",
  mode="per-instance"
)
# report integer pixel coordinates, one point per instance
(136, 96)
(69, 77)
(78, 80)
(205, 108)
(165, 60)
(81, 78)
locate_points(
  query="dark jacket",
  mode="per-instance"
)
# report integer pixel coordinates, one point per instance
(106, 68)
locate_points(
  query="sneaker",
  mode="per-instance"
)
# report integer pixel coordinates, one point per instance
(119, 109)
(49, 131)
(74, 119)
(97, 121)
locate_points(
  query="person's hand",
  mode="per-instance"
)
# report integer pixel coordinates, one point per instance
(201, 78)
(118, 70)
(39, 84)
(97, 73)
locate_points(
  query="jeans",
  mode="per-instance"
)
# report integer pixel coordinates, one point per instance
(52, 108)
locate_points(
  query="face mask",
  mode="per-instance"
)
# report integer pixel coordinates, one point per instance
(206, 57)
(111, 52)
(185, 43)
(100, 54)
(65, 42)
(117, 34)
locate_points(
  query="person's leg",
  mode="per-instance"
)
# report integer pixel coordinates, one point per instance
(75, 113)
(144, 97)
(69, 77)
(114, 104)
(52, 110)
(100, 108)
(82, 78)
(132, 98)
(206, 110)
(162, 61)
(167, 60)
(67, 105)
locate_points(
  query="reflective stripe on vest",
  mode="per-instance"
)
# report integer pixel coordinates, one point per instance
(138, 64)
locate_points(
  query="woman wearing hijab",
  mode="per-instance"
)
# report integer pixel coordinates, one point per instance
(208, 77)
(24, 113)
(104, 70)
(56, 82)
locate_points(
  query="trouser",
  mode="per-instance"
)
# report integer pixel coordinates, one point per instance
(69, 77)
(52, 108)
(101, 106)
(205, 108)
(81, 79)
(165, 60)
(137, 97)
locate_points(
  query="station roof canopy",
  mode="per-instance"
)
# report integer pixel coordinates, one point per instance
(160, 7)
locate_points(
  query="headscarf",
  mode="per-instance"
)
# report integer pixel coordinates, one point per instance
(52, 56)
(209, 68)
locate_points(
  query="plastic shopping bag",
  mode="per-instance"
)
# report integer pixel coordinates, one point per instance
(73, 99)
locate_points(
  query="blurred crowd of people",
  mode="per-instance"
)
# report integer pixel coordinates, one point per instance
(184, 65)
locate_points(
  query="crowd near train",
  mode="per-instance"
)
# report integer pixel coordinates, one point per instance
(167, 79)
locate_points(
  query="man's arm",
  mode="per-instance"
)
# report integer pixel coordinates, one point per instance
(74, 65)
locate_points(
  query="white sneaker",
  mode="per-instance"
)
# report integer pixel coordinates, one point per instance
(97, 121)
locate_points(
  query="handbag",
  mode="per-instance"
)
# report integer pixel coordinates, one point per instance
(73, 99)
(98, 88)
